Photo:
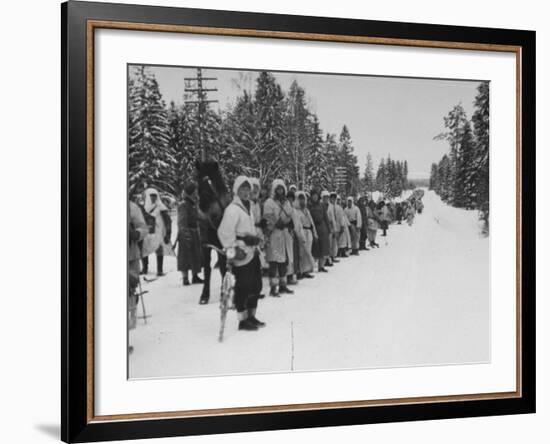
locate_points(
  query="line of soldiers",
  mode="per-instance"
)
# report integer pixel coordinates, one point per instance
(320, 228)
(294, 233)
(283, 233)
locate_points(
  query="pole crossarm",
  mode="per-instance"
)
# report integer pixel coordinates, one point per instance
(201, 98)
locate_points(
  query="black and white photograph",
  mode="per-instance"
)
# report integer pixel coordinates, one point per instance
(296, 221)
(254, 222)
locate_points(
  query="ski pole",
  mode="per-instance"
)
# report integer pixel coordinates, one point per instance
(142, 302)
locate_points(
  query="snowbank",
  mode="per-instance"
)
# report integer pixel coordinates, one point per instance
(422, 298)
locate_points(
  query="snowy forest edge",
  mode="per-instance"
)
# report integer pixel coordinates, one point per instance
(269, 133)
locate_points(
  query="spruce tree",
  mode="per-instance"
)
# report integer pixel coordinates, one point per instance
(462, 177)
(151, 160)
(316, 171)
(348, 160)
(399, 182)
(297, 138)
(434, 179)
(241, 137)
(331, 155)
(454, 123)
(381, 177)
(390, 177)
(464, 180)
(445, 179)
(181, 143)
(368, 178)
(480, 120)
(253, 132)
(269, 108)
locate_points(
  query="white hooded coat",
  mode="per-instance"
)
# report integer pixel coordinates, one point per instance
(256, 208)
(353, 214)
(344, 240)
(138, 224)
(153, 241)
(307, 228)
(237, 221)
(279, 246)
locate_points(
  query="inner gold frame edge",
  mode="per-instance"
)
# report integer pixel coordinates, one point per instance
(105, 24)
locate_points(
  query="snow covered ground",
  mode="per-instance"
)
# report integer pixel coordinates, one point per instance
(422, 298)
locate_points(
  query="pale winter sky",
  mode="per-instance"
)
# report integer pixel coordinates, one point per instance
(385, 115)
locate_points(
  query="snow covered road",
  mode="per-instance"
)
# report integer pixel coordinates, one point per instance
(422, 298)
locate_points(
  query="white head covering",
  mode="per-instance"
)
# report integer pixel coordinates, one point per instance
(275, 184)
(239, 181)
(298, 194)
(149, 206)
(254, 183)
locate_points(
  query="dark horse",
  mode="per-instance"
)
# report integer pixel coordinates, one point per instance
(214, 197)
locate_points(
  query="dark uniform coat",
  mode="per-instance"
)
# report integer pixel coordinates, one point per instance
(189, 244)
(319, 216)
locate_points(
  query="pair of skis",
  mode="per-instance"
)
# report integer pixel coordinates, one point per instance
(226, 297)
(227, 292)
(140, 297)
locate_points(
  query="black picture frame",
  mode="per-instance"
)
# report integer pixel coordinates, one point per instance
(76, 327)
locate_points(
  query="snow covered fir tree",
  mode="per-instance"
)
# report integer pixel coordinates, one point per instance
(151, 157)
(366, 236)
(461, 177)
(268, 133)
(265, 133)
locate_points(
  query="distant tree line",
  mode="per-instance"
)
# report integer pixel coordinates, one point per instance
(391, 177)
(461, 177)
(266, 133)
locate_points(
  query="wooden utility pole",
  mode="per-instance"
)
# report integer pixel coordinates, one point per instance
(194, 86)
